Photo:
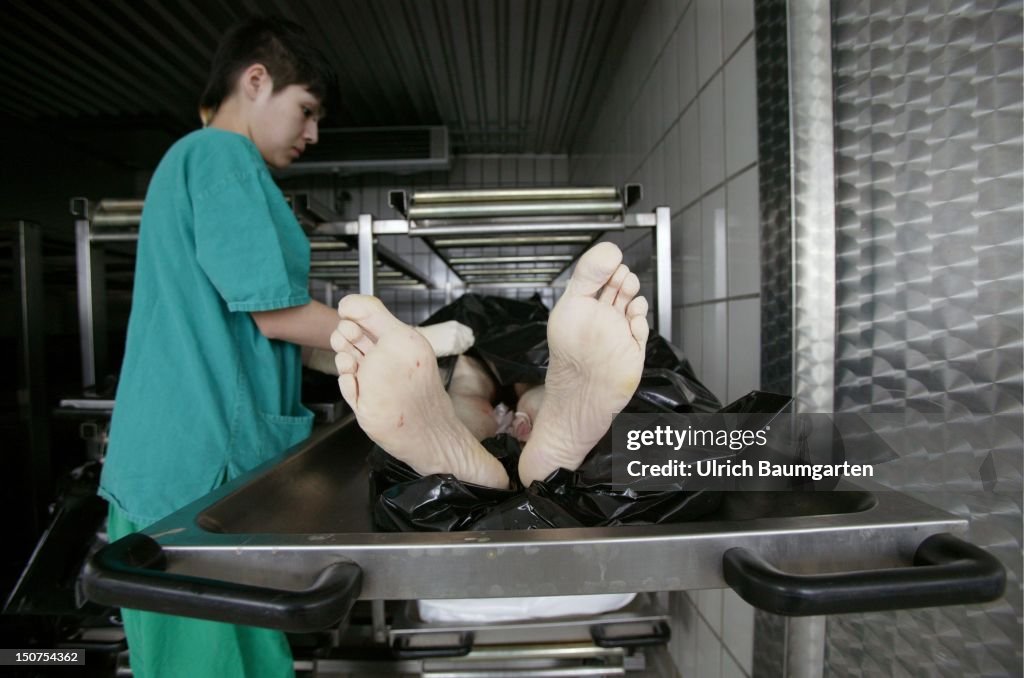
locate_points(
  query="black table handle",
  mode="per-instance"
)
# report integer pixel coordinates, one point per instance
(660, 633)
(131, 573)
(401, 648)
(946, 571)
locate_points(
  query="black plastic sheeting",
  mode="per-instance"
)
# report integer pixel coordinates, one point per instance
(511, 339)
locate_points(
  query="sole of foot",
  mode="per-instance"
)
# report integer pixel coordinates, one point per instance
(597, 336)
(388, 376)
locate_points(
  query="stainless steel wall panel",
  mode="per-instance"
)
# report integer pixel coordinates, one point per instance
(774, 178)
(798, 322)
(810, 86)
(930, 253)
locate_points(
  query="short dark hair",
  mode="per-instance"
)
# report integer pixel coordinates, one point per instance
(282, 46)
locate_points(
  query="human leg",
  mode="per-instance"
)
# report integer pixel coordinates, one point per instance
(597, 335)
(472, 391)
(165, 645)
(389, 378)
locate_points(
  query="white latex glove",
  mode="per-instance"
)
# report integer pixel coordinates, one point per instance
(322, 361)
(448, 338)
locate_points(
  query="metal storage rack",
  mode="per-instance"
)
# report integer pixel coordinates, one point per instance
(346, 254)
(108, 221)
(567, 219)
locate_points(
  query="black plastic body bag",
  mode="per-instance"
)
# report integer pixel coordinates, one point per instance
(511, 340)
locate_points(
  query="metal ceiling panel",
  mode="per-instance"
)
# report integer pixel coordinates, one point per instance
(505, 76)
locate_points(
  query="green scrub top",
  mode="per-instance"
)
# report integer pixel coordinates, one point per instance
(203, 396)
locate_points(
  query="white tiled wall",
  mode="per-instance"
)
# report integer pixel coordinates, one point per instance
(712, 634)
(681, 119)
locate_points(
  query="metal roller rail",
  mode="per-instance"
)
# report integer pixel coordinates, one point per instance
(512, 241)
(117, 219)
(120, 205)
(113, 212)
(502, 195)
(431, 228)
(565, 258)
(516, 209)
(551, 270)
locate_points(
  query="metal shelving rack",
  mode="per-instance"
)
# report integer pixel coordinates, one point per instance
(568, 220)
(101, 223)
(346, 254)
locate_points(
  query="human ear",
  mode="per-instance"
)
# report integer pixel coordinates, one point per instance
(254, 79)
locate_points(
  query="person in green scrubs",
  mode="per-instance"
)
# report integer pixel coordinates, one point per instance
(221, 315)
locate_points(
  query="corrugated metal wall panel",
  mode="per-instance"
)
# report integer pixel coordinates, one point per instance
(930, 259)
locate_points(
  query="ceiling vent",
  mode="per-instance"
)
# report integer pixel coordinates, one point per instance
(350, 150)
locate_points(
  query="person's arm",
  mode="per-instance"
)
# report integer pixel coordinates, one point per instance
(309, 325)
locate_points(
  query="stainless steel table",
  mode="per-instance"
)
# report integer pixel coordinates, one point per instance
(291, 545)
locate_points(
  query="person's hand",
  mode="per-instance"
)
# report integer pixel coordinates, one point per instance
(321, 361)
(448, 338)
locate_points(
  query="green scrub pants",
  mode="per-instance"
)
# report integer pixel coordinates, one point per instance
(162, 645)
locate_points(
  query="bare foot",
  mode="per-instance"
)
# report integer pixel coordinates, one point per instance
(388, 376)
(597, 334)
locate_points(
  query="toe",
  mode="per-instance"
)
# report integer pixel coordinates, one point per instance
(354, 335)
(349, 388)
(610, 290)
(637, 307)
(340, 343)
(522, 426)
(638, 320)
(369, 313)
(630, 286)
(346, 363)
(594, 269)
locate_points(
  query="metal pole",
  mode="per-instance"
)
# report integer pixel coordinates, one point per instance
(28, 287)
(329, 290)
(83, 267)
(814, 256)
(813, 206)
(378, 618)
(367, 257)
(663, 272)
(805, 647)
